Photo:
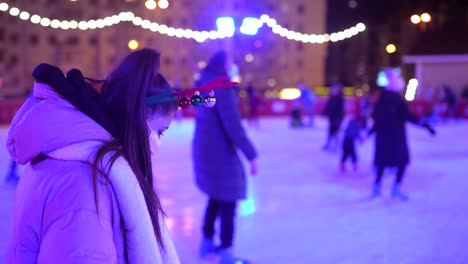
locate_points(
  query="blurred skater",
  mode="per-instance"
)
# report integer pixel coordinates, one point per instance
(218, 169)
(450, 100)
(351, 135)
(391, 148)
(296, 116)
(334, 111)
(308, 100)
(254, 105)
(87, 195)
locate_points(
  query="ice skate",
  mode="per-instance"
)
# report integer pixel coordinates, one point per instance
(397, 194)
(227, 257)
(206, 247)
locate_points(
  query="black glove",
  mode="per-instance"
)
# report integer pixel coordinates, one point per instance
(429, 128)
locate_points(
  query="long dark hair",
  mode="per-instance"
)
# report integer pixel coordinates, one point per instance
(160, 85)
(123, 96)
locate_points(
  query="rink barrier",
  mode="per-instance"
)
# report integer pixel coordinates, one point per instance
(282, 108)
(8, 108)
(275, 108)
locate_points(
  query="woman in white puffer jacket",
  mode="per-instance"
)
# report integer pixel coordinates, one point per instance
(87, 193)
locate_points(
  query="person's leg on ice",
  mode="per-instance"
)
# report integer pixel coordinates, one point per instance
(354, 159)
(333, 141)
(378, 182)
(348, 152)
(207, 245)
(227, 212)
(396, 192)
(329, 135)
(344, 157)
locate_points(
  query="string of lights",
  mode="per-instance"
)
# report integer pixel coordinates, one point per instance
(311, 38)
(250, 26)
(151, 4)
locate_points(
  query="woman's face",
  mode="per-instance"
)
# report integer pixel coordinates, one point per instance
(160, 123)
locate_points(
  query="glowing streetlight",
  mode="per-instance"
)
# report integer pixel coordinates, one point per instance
(150, 4)
(133, 44)
(426, 18)
(415, 19)
(391, 48)
(163, 4)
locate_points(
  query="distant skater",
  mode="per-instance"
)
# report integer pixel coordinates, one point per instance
(351, 135)
(334, 111)
(391, 148)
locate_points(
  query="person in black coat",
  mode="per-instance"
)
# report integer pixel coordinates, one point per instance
(390, 115)
(334, 111)
(218, 169)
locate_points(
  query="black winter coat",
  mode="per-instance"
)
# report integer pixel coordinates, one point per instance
(390, 116)
(334, 109)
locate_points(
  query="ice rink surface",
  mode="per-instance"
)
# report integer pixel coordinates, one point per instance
(303, 210)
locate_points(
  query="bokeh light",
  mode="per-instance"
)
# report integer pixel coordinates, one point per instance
(391, 48)
(415, 19)
(163, 4)
(201, 64)
(226, 26)
(150, 4)
(426, 18)
(289, 93)
(133, 44)
(249, 58)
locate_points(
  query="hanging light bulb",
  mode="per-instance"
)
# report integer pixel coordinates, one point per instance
(24, 15)
(133, 44)
(45, 22)
(35, 19)
(14, 11)
(73, 24)
(4, 7)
